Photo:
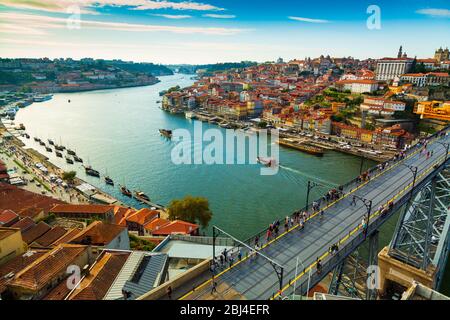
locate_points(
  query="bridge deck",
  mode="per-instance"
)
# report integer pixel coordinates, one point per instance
(254, 277)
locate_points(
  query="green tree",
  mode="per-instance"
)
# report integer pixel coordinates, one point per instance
(69, 175)
(191, 209)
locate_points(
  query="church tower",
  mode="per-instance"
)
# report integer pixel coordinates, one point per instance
(400, 54)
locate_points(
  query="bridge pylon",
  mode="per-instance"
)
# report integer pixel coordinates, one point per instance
(419, 248)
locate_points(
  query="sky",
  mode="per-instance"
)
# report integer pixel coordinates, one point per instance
(210, 31)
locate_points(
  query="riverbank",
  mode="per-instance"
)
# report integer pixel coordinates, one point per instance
(301, 140)
(24, 162)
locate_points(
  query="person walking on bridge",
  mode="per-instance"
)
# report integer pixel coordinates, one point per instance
(353, 203)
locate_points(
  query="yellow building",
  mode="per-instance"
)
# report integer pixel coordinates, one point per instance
(433, 110)
(11, 244)
(366, 137)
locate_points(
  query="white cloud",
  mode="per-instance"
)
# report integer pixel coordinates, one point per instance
(173, 16)
(219, 16)
(308, 20)
(44, 22)
(436, 13)
(87, 6)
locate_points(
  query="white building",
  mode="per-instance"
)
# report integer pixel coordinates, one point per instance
(426, 79)
(389, 68)
(357, 86)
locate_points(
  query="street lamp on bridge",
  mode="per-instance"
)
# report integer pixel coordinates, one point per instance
(312, 185)
(368, 205)
(446, 145)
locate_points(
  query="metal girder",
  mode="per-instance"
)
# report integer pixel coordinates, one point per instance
(351, 276)
(422, 229)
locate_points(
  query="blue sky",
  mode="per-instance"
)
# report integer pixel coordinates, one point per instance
(208, 31)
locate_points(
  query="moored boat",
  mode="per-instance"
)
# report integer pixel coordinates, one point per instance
(71, 152)
(69, 161)
(91, 172)
(77, 159)
(125, 191)
(48, 149)
(109, 181)
(51, 142)
(58, 154)
(139, 195)
(42, 143)
(317, 151)
(59, 148)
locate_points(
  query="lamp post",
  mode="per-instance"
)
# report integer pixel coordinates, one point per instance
(414, 172)
(309, 277)
(446, 145)
(311, 185)
(368, 204)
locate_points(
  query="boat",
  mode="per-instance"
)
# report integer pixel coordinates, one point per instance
(37, 139)
(109, 181)
(91, 172)
(317, 151)
(42, 98)
(268, 162)
(190, 115)
(125, 191)
(50, 141)
(139, 195)
(69, 161)
(166, 133)
(77, 159)
(58, 154)
(48, 149)
(21, 126)
(42, 143)
(59, 148)
(72, 153)
(27, 135)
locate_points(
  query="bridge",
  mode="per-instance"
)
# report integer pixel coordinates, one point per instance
(298, 258)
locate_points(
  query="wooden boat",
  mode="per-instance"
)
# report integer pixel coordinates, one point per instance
(139, 195)
(166, 133)
(58, 154)
(69, 161)
(317, 151)
(125, 191)
(109, 181)
(91, 172)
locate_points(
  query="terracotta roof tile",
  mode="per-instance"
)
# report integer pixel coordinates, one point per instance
(24, 224)
(98, 233)
(50, 237)
(35, 232)
(16, 264)
(176, 226)
(38, 274)
(82, 208)
(101, 276)
(24, 203)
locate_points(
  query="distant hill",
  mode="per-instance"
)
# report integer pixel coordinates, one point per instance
(144, 67)
(210, 68)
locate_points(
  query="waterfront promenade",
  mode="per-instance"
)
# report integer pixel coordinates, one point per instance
(254, 277)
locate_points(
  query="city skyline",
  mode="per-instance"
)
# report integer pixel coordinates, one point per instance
(209, 31)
